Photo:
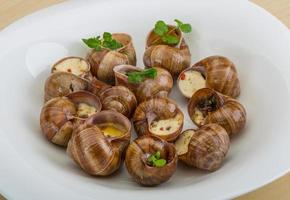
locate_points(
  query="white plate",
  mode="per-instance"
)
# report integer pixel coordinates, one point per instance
(32, 168)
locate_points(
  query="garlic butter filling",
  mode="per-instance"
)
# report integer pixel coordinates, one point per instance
(166, 126)
(85, 110)
(75, 66)
(198, 117)
(182, 142)
(112, 130)
(191, 81)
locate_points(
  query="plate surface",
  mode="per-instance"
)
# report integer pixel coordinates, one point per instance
(259, 45)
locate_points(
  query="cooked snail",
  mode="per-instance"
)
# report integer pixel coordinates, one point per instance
(215, 72)
(208, 106)
(75, 65)
(151, 160)
(174, 58)
(118, 98)
(102, 62)
(97, 145)
(204, 148)
(160, 86)
(59, 115)
(160, 117)
(60, 84)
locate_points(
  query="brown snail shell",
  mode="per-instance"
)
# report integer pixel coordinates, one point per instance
(219, 73)
(102, 62)
(60, 115)
(160, 86)
(136, 160)
(119, 99)
(208, 106)
(204, 148)
(75, 65)
(96, 153)
(159, 117)
(172, 58)
(61, 84)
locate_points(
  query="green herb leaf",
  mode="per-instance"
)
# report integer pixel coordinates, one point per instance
(170, 39)
(107, 42)
(185, 28)
(160, 28)
(155, 161)
(159, 163)
(137, 77)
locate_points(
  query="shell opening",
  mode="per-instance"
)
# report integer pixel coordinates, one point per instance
(203, 108)
(190, 81)
(183, 141)
(74, 65)
(166, 126)
(85, 110)
(112, 130)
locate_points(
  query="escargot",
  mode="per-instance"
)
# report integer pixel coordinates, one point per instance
(160, 86)
(172, 58)
(208, 106)
(204, 148)
(102, 62)
(160, 117)
(98, 144)
(75, 65)
(216, 72)
(147, 171)
(60, 115)
(118, 98)
(60, 84)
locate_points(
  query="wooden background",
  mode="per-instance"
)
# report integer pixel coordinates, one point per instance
(11, 10)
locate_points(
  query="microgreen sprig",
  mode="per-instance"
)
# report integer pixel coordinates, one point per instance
(98, 43)
(161, 29)
(155, 160)
(137, 77)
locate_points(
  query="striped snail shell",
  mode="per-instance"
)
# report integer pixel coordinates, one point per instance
(204, 148)
(208, 106)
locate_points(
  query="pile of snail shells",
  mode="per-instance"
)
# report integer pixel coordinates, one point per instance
(83, 94)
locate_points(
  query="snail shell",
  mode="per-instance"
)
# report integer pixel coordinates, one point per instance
(172, 58)
(75, 65)
(96, 153)
(160, 86)
(215, 72)
(204, 148)
(120, 99)
(159, 117)
(60, 115)
(102, 62)
(208, 106)
(61, 84)
(136, 160)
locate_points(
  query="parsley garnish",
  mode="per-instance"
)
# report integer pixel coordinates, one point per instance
(137, 77)
(155, 160)
(161, 29)
(107, 42)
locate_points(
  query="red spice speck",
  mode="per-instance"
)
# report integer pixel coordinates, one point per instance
(161, 129)
(182, 76)
(68, 70)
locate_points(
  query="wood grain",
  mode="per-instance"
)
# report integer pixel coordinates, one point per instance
(11, 10)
